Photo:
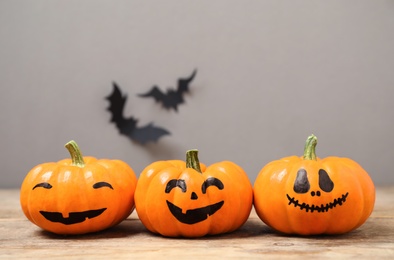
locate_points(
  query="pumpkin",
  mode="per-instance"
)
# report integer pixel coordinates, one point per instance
(310, 196)
(187, 199)
(78, 195)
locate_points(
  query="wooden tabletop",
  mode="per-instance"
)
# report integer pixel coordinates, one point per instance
(20, 239)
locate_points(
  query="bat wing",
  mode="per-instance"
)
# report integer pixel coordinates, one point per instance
(128, 126)
(172, 98)
(168, 100)
(156, 93)
(148, 133)
(183, 83)
(116, 104)
(117, 101)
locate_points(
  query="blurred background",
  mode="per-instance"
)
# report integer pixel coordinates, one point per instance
(269, 74)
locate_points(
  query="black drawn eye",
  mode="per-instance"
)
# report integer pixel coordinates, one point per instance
(101, 185)
(301, 184)
(211, 182)
(325, 183)
(175, 183)
(44, 185)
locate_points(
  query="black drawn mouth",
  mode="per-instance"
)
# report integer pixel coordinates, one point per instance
(73, 218)
(193, 216)
(322, 208)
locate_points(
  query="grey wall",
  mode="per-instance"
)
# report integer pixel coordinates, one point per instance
(269, 74)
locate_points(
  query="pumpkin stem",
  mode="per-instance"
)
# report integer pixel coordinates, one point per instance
(310, 148)
(75, 153)
(192, 160)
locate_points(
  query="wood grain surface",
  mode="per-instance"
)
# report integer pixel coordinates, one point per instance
(20, 239)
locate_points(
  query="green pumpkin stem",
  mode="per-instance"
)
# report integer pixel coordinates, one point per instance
(310, 148)
(75, 153)
(192, 160)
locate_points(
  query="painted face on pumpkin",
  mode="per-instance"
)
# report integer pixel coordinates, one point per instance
(193, 216)
(326, 185)
(73, 217)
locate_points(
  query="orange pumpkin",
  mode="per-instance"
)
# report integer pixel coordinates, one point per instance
(309, 196)
(174, 198)
(78, 195)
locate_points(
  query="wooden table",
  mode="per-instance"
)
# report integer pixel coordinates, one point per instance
(21, 239)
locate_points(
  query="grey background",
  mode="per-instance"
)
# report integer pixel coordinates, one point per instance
(269, 74)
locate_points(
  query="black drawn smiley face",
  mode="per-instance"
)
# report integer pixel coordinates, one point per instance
(73, 217)
(302, 187)
(195, 215)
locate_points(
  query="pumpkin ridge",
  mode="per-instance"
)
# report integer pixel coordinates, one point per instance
(245, 190)
(25, 198)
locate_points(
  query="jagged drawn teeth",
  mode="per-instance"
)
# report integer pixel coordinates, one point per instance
(322, 208)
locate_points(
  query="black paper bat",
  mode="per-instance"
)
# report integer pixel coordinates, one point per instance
(128, 126)
(172, 98)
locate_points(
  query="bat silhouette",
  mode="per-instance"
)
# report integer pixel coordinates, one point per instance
(128, 126)
(172, 98)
